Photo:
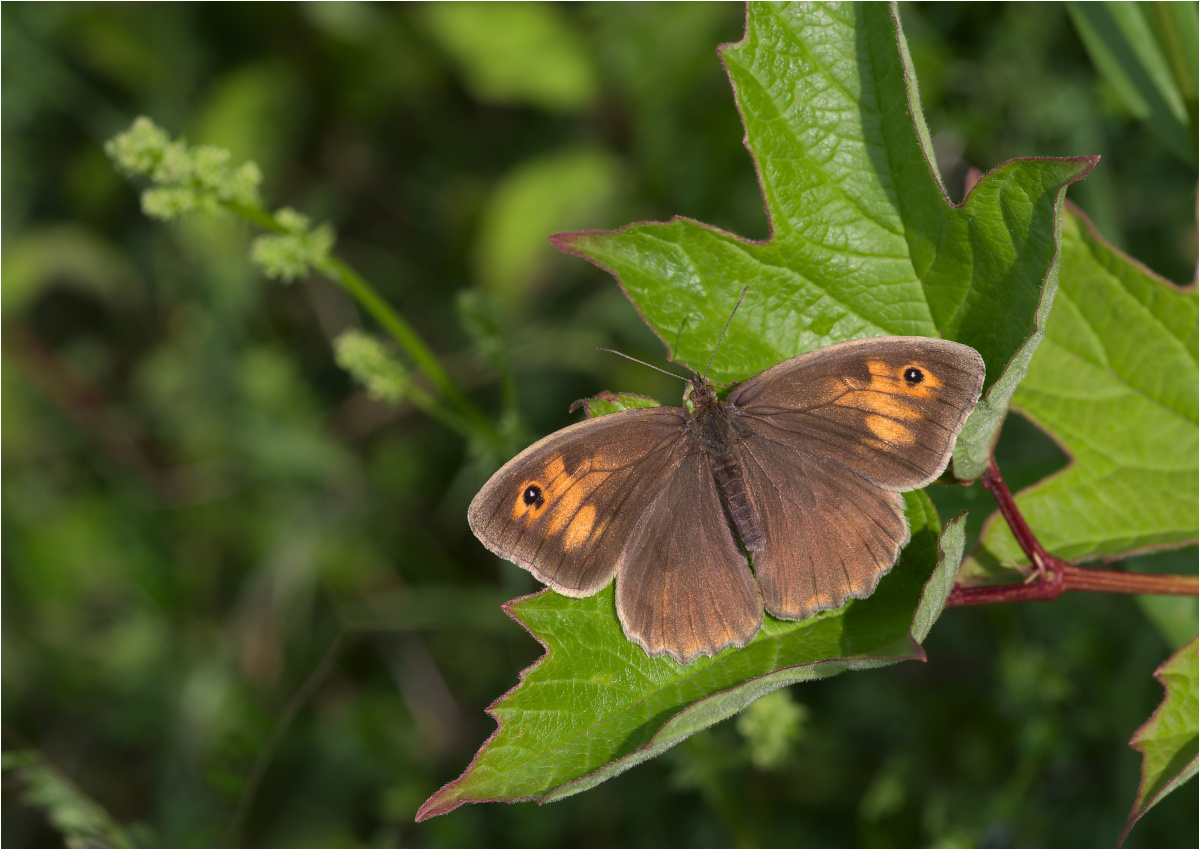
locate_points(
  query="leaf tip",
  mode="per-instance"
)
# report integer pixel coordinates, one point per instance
(441, 803)
(568, 242)
(1182, 664)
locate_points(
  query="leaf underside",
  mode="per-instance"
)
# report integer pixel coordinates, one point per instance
(1115, 383)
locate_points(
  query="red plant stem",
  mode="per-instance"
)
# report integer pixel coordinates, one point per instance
(1026, 539)
(1049, 577)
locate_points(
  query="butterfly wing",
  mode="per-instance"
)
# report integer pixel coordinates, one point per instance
(829, 439)
(684, 588)
(887, 408)
(825, 534)
(627, 494)
(566, 507)
(825, 442)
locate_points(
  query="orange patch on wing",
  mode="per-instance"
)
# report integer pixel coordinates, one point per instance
(879, 398)
(891, 431)
(566, 508)
(552, 483)
(891, 379)
(580, 528)
(569, 497)
(887, 392)
(885, 402)
(554, 468)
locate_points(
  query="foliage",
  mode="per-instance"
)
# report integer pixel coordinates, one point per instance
(1168, 739)
(1115, 382)
(76, 817)
(241, 606)
(596, 705)
(808, 290)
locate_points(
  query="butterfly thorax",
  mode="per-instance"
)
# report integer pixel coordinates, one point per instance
(709, 418)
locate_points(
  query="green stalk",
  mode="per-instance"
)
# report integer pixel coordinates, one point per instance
(464, 417)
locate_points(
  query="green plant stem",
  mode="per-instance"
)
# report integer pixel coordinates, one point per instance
(403, 333)
(1049, 577)
(255, 215)
(426, 403)
(465, 417)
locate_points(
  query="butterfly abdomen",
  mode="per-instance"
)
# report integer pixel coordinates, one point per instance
(731, 484)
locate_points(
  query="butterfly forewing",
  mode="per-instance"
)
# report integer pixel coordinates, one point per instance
(565, 508)
(887, 408)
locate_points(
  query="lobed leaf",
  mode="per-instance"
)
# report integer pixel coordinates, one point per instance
(596, 705)
(1170, 740)
(1115, 383)
(864, 243)
(864, 240)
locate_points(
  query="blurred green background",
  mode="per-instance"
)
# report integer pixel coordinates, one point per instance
(240, 600)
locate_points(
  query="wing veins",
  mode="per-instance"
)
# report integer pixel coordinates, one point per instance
(629, 491)
(900, 458)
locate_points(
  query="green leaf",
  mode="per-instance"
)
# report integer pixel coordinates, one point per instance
(1121, 41)
(553, 190)
(596, 705)
(65, 255)
(516, 53)
(865, 243)
(1170, 740)
(864, 239)
(1115, 383)
(80, 820)
(605, 403)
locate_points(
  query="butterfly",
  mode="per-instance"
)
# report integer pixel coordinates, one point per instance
(783, 496)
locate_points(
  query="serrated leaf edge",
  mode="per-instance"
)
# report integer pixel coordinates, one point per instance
(982, 428)
(1189, 769)
(995, 517)
(444, 801)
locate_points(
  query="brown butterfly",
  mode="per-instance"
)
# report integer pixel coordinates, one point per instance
(800, 467)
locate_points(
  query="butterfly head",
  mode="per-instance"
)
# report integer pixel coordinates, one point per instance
(700, 395)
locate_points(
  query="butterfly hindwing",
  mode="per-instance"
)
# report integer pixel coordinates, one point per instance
(684, 588)
(802, 465)
(827, 534)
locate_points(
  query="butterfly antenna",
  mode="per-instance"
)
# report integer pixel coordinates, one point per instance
(644, 363)
(722, 336)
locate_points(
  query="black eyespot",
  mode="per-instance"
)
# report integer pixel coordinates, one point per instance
(533, 496)
(913, 375)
